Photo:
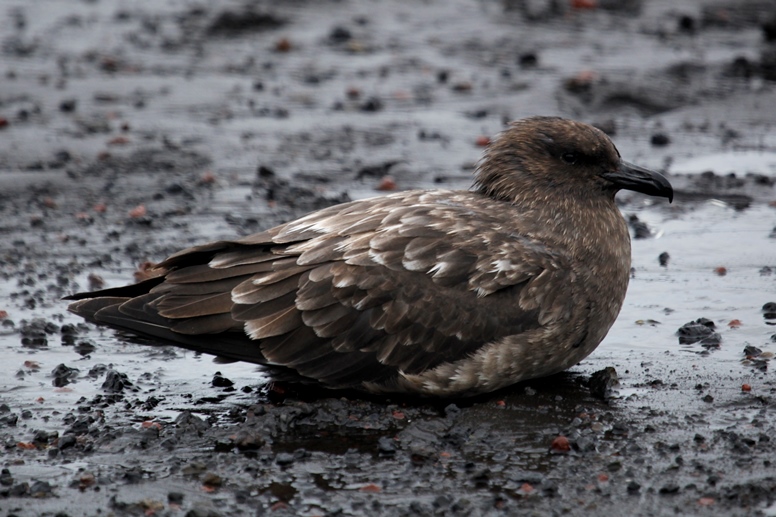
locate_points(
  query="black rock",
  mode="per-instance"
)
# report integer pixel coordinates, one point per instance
(528, 60)
(230, 23)
(19, 489)
(63, 375)
(741, 67)
(386, 446)
(10, 420)
(187, 421)
(265, 172)
(769, 29)
(376, 171)
(67, 441)
(68, 105)
(68, 329)
(84, 348)
(79, 427)
(97, 370)
(219, 381)
(669, 489)
(40, 489)
(640, 229)
(175, 498)
(44, 437)
(686, 24)
(116, 382)
(602, 382)
(372, 104)
(660, 140)
(452, 410)
(699, 331)
(340, 35)
(6, 479)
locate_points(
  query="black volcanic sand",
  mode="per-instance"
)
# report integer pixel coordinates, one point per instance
(131, 130)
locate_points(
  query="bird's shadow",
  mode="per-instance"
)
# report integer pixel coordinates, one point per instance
(565, 388)
(284, 386)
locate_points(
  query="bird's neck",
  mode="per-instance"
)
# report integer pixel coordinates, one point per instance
(581, 223)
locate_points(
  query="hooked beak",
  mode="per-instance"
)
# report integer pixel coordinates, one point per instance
(639, 179)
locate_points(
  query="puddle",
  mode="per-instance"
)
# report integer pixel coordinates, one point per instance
(107, 106)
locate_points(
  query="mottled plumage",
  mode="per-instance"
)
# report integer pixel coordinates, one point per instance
(434, 292)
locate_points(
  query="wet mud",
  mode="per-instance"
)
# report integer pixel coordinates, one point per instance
(131, 130)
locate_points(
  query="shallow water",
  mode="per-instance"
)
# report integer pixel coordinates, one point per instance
(148, 75)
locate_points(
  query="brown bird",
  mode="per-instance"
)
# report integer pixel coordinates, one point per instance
(433, 292)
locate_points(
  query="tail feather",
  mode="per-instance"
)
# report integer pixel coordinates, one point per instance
(127, 291)
(107, 310)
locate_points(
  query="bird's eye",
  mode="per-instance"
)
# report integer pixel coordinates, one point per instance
(570, 158)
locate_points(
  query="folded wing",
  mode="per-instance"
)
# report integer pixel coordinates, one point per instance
(364, 290)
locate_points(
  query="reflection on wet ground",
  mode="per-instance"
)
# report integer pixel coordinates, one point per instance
(130, 131)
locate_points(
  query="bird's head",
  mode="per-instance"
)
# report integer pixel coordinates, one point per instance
(552, 156)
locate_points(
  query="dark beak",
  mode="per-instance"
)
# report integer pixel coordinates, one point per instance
(639, 179)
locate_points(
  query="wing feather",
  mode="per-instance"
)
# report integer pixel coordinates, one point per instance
(364, 290)
(322, 317)
(204, 273)
(274, 324)
(176, 306)
(242, 256)
(314, 295)
(211, 324)
(247, 292)
(254, 311)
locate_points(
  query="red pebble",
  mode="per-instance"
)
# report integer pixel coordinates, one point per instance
(387, 183)
(561, 444)
(137, 212)
(584, 4)
(119, 140)
(283, 45)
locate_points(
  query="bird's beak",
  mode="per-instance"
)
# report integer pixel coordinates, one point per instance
(639, 179)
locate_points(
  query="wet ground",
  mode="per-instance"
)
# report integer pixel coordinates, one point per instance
(129, 130)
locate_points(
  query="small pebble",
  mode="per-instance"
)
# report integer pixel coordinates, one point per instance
(660, 140)
(284, 458)
(560, 444)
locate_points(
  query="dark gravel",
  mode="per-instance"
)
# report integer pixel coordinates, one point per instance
(131, 130)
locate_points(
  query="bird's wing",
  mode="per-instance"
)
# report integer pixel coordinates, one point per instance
(364, 290)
